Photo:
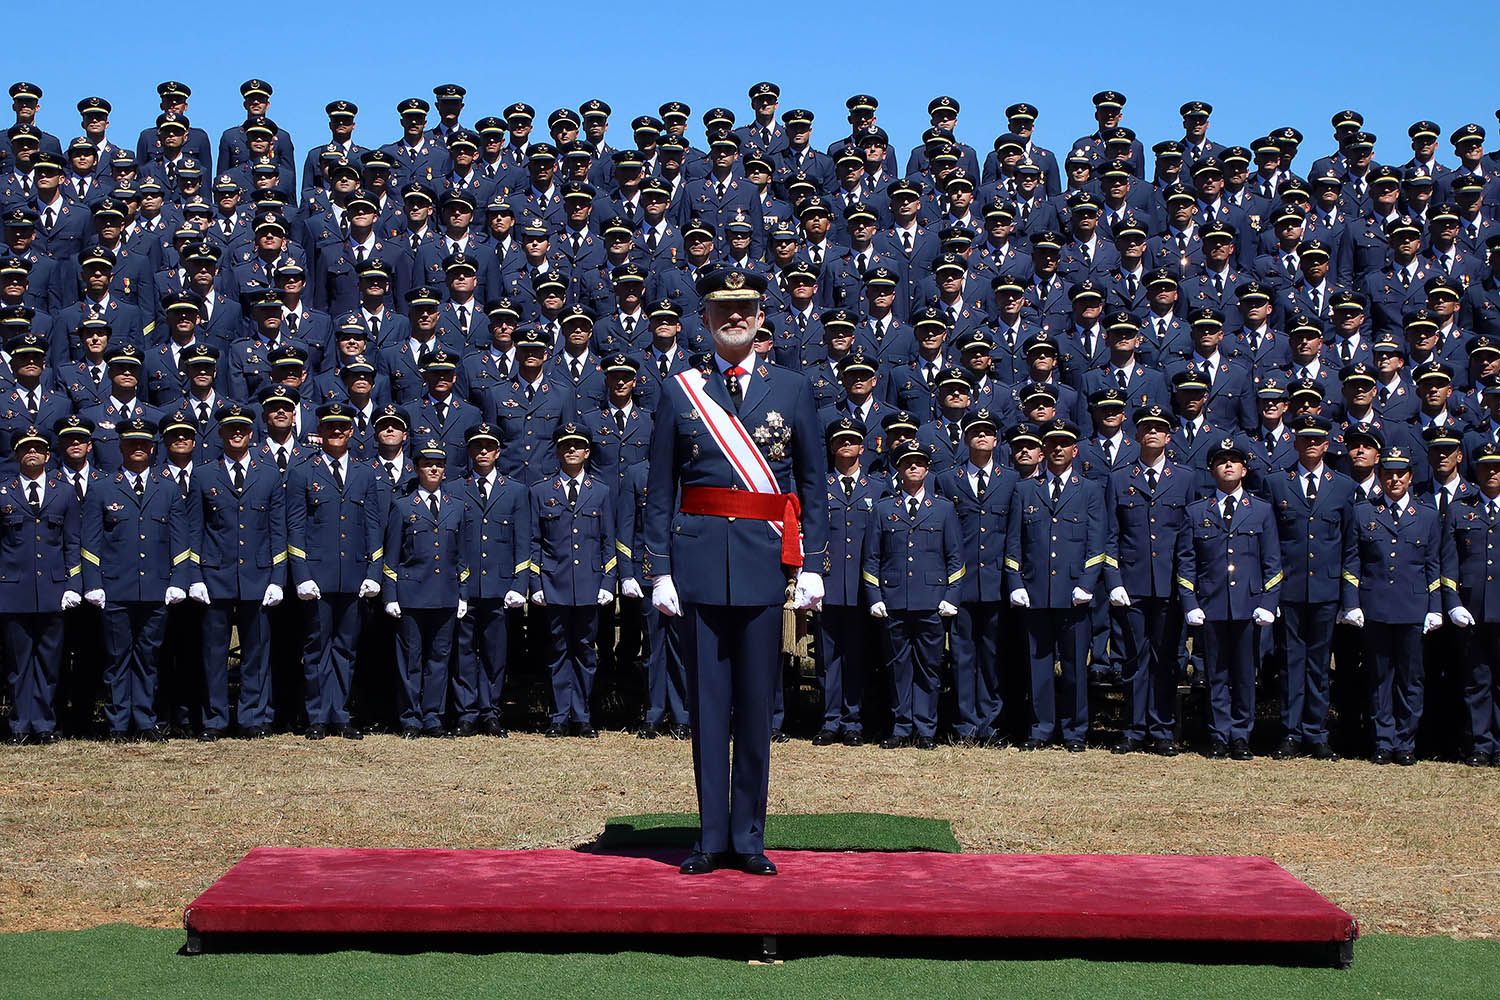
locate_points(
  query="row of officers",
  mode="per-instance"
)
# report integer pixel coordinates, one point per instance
(1015, 561)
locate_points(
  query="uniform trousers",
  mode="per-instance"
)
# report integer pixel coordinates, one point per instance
(573, 659)
(843, 649)
(255, 664)
(425, 642)
(1231, 652)
(133, 634)
(1149, 630)
(478, 672)
(33, 647)
(1482, 661)
(1308, 631)
(331, 628)
(974, 644)
(916, 659)
(1059, 700)
(1394, 655)
(666, 679)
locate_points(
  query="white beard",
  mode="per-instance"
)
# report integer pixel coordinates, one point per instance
(735, 340)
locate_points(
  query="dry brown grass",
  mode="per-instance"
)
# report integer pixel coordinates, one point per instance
(92, 833)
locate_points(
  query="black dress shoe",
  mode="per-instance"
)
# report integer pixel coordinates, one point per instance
(1380, 757)
(698, 863)
(1164, 748)
(1217, 750)
(1477, 760)
(924, 743)
(755, 864)
(1320, 751)
(1404, 758)
(153, 735)
(1127, 745)
(681, 732)
(1240, 750)
(893, 743)
(411, 734)
(493, 727)
(1026, 746)
(437, 733)
(465, 729)
(210, 736)
(556, 731)
(647, 733)
(825, 738)
(316, 732)
(347, 732)
(254, 732)
(46, 739)
(852, 739)
(16, 739)
(777, 736)
(588, 732)
(995, 741)
(1074, 746)
(1287, 750)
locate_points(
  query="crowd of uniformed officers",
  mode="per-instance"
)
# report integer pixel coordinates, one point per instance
(1101, 420)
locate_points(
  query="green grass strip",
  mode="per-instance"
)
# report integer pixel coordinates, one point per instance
(813, 832)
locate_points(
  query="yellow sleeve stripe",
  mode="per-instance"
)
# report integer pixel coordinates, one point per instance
(148, 328)
(389, 572)
(1108, 561)
(463, 576)
(377, 555)
(522, 567)
(1012, 563)
(870, 578)
(1351, 578)
(1186, 584)
(296, 552)
(89, 557)
(623, 549)
(534, 567)
(74, 570)
(1450, 584)
(1094, 561)
(1274, 581)
(955, 577)
(279, 558)
(611, 564)
(182, 557)
(1434, 585)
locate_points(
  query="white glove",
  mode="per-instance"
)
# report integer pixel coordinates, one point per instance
(393, 609)
(1432, 622)
(946, 610)
(1460, 616)
(514, 599)
(1262, 617)
(630, 588)
(70, 600)
(1019, 598)
(1081, 596)
(272, 596)
(463, 607)
(174, 595)
(539, 599)
(808, 594)
(605, 598)
(198, 592)
(369, 588)
(877, 610)
(94, 597)
(308, 590)
(664, 597)
(1195, 617)
(1119, 597)
(1355, 617)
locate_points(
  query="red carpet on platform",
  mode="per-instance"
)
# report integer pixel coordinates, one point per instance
(1106, 898)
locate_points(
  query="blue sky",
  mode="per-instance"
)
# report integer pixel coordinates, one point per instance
(1285, 69)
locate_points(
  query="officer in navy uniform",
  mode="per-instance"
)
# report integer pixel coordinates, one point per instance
(1314, 506)
(135, 552)
(335, 529)
(980, 489)
(1474, 525)
(236, 514)
(500, 554)
(1055, 556)
(913, 568)
(527, 409)
(843, 637)
(1228, 570)
(1395, 596)
(575, 559)
(426, 589)
(39, 555)
(732, 552)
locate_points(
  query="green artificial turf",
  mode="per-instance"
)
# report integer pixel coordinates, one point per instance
(124, 961)
(818, 832)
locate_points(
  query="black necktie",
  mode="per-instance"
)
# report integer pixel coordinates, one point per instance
(1130, 285)
(139, 484)
(572, 492)
(78, 486)
(31, 401)
(577, 367)
(1443, 503)
(911, 508)
(1228, 512)
(651, 241)
(620, 420)
(1312, 486)
(281, 459)
(1151, 479)
(484, 490)
(34, 497)
(1109, 451)
(432, 505)
(719, 190)
(906, 240)
(1120, 377)
(338, 475)
(291, 324)
(390, 471)
(530, 392)
(953, 432)
(732, 384)
(1056, 489)
(848, 482)
(1189, 432)
(981, 481)
(238, 477)
(661, 363)
(627, 327)
(442, 412)
(182, 481)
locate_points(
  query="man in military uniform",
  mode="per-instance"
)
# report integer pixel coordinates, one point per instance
(236, 514)
(1474, 526)
(39, 541)
(730, 549)
(1228, 569)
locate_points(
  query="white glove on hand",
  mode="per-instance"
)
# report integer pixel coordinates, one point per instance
(272, 596)
(198, 592)
(393, 609)
(664, 597)
(539, 599)
(514, 599)
(1195, 617)
(308, 590)
(877, 610)
(1354, 616)
(808, 594)
(1119, 597)
(94, 597)
(174, 595)
(1460, 616)
(70, 600)
(369, 588)
(1019, 598)
(605, 598)
(463, 608)
(946, 610)
(1081, 597)
(1432, 622)
(1262, 617)
(630, 588)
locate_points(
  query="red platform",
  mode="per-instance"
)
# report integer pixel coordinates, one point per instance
(1115, 898)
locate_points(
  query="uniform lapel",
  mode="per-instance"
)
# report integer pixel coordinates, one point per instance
(758, 388)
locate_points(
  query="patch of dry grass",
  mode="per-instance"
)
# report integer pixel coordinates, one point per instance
(92, 833)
